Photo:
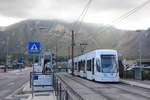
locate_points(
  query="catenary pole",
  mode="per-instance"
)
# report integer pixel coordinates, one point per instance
(72, 52)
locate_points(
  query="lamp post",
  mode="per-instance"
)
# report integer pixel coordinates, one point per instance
(5, 69)
(72, 52)
(140, 53)
(140, 43)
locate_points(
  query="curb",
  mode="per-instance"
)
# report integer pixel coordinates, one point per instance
(125, 83)
(137, 85)
(13, 95)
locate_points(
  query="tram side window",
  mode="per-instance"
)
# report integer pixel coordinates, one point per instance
(75, 66)
(79, 66)
(89, 63)
(84, 66)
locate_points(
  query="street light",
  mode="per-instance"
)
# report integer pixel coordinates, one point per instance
(5, 69)
(140, 46)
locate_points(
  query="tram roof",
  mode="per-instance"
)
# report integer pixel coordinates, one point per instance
(96, 51)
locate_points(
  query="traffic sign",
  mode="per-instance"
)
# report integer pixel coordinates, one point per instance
(34, 47)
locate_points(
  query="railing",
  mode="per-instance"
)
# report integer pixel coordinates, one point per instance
(60, 70)
(60, 91)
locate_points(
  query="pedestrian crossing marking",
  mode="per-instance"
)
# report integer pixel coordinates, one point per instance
(34, 48)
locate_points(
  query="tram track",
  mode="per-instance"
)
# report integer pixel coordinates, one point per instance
(120, 87)
(133, 92)
(98, 92)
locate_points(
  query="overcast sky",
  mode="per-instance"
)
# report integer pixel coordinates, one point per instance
(100, 11)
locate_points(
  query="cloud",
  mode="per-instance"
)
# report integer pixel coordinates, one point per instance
(100, 11)
(61, 8)
(16, 8)
(113, 4)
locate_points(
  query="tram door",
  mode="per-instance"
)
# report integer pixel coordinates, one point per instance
(93, 66)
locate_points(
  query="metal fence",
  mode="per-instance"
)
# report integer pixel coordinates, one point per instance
(137, 73)
(60, 91)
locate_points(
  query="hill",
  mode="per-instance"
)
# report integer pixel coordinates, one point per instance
(59, 32)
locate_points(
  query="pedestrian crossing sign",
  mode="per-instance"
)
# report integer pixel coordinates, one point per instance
(34, 47)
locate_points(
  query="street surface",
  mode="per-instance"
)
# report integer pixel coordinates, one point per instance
(2, 70)
(11, 81)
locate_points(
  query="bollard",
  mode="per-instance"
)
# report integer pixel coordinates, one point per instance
(142, 75)
(5, 69)
(56, 87)
(60, 91)
(66, 97)
(30, 79)
(54, 82)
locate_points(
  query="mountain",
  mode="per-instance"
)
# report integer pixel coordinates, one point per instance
(52, 32)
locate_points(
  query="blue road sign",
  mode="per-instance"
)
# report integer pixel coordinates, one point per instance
(34, 47)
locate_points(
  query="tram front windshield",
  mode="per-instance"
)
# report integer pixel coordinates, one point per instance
(109, 64)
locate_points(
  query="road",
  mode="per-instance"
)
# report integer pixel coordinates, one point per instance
(11, 81)
(90, 90)
(2, 70)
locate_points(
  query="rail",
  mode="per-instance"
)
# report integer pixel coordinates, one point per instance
(60, 91)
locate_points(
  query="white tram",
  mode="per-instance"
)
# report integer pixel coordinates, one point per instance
(98, 65)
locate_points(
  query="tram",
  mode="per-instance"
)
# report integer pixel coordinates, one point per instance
(99, 65)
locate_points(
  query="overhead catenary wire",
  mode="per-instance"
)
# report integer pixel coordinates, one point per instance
(121, 18)
(82, 19)
(116, 21)
(79, 20)
(82, 15)
(131, 11)
(124, 16)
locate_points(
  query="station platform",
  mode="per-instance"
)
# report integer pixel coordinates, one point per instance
(27, 92)
(82, 89)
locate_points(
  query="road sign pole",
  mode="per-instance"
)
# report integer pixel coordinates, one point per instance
(56, 54)
(33, 48)
(33, 75)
